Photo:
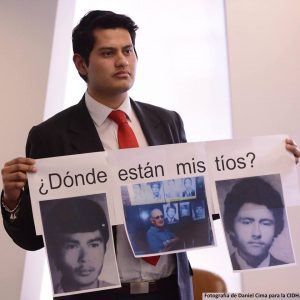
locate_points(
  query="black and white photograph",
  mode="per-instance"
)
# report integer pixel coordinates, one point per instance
(168, 226)
(198, 210)
(165, 191)
(171, 213)
(255, 222)
(79, 241)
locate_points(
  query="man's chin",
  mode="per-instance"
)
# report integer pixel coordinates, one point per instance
(123, 86)
(84, 285)
(255, 259)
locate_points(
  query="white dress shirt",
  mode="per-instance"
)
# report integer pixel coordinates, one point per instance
(130, 268)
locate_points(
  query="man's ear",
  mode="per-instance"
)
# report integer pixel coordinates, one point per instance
(80, 64)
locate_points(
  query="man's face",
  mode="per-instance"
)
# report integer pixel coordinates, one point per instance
(155, 189)
(112, 63)
(254, 230)
(81, 259)
(184, 210)
(188, 184)
(199, 211)
(171, 212)
(157, 218)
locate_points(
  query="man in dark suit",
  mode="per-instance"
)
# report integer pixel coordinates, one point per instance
(253, 218)
(170, 216)
(189, 190)
(105, 57)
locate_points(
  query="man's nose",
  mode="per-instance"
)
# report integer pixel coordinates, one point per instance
(82, 255)
(121, 60)
(256, 231)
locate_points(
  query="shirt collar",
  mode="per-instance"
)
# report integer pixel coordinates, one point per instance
(244, 265)
(100, 112)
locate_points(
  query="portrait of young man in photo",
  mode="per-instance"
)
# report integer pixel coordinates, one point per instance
(254, 216)
(171, 213)
(189, 190)
(77, 233)
(156, 193)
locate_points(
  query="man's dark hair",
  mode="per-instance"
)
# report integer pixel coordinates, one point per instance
(198, 204)
(74, 215)
(158, 183)
(257, 191)
(83, 34)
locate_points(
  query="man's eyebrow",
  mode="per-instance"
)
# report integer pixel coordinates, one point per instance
(99, 239)
(267, 219)
(106, 49)
(128, 46)
(69, 240)
(246, 218)
(114, 48)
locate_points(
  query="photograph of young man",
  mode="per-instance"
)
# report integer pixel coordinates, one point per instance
(156, 195)
(198, 211)
(253, 218)
(189, 189)
(76, 234)
(171, 213)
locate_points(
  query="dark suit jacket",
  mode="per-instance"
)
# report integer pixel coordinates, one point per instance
(273, 262)
(192, 193)
(72, 131)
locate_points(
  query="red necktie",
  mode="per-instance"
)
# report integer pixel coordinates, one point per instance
(127, 139)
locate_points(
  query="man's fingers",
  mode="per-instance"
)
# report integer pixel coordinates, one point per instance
(20, 164)
(292, 147)
(18, 168)
(20, 161)
(16, 176)
(14, 185)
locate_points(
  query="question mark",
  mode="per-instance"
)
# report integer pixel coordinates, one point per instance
(253, 157)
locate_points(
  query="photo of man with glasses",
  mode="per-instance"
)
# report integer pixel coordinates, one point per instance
(159, 238)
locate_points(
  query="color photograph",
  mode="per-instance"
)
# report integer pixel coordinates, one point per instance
(171, 224)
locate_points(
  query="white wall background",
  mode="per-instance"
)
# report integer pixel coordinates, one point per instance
(264, 47)
(26, 29)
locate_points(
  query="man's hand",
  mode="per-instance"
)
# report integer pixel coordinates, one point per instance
(170, 245)
(14, 178)
(292, 147)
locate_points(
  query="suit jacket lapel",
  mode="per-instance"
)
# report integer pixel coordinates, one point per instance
(84, 135)
(150, 125)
